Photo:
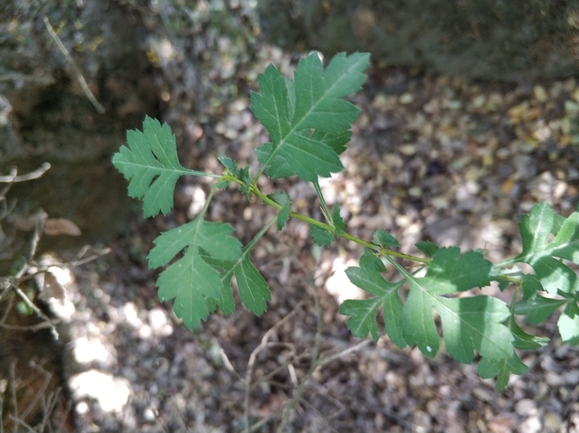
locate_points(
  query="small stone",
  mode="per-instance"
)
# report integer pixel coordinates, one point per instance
(407, 149)
(571, 108)
(380, 102)
(571, 377)
(503, 153)
(525, 407)
(552, 422)
(556, 90)
(454, 104)
(406, 98)
(479, 101)
(526, 166)
(540, 93)
(531, 425)
(422, 422)
(414, 191)
(554, 379)
(482, 394)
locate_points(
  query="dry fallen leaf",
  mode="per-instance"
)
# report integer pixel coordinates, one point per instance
(60, 226)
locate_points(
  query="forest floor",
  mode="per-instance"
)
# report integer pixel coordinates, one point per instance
(432, 158)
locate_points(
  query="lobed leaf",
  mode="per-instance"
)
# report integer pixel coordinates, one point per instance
(548, 239)
(253, 289)
(321, 236)
(362, 312)
(308, 121)
(151, 166)
(337, 220)
(545, 255)
(568, 324)
(384, 239)
(195, 284)
(283, 199)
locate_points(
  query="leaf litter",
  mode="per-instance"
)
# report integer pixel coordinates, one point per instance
(425, 150)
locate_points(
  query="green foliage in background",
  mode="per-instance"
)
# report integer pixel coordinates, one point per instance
(309, 123)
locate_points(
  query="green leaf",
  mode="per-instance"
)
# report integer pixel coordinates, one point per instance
(195, 284)
(151, 166)
(384, 239)
(337, 220)
(469, 324)
(244, 177)
(321, 236)
(253, 289)
(568, 324)
(228, 163)
(308, 120)
(523, 340)
(283, 199)
(502, 368)
(362, 316)
(545, 256)
(370, 261)
(362, 312)
(427, 247)
(538, 308)
(448, 273)
(531, 285)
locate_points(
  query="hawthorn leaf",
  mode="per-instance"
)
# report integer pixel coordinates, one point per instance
(362, 312)
(427, 247)
(253, 289)
(362, 316)
(384, 239)
(370, 261)
(339, 224)
(321, 236)
(308, 120)
(531, 285)
(150, 163)
(282, 198)
(568, 324)
(469, 324)
(538, 308)
(244, 177)
(523, 340)
(545, 256)
(229, 164)
(194, 283)
(448, 273)
(501, 368)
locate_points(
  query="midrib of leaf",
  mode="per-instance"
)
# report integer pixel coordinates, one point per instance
(539, 229)
(173, 170)
(371, 313)
(533, 257)
(296, 127)
(246, 251)
(436, 302)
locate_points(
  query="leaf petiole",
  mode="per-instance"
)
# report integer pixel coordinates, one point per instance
(381, 250)
(325, 210)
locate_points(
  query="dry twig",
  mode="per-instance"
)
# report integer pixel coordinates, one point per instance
(96, 104)
(251, 363)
